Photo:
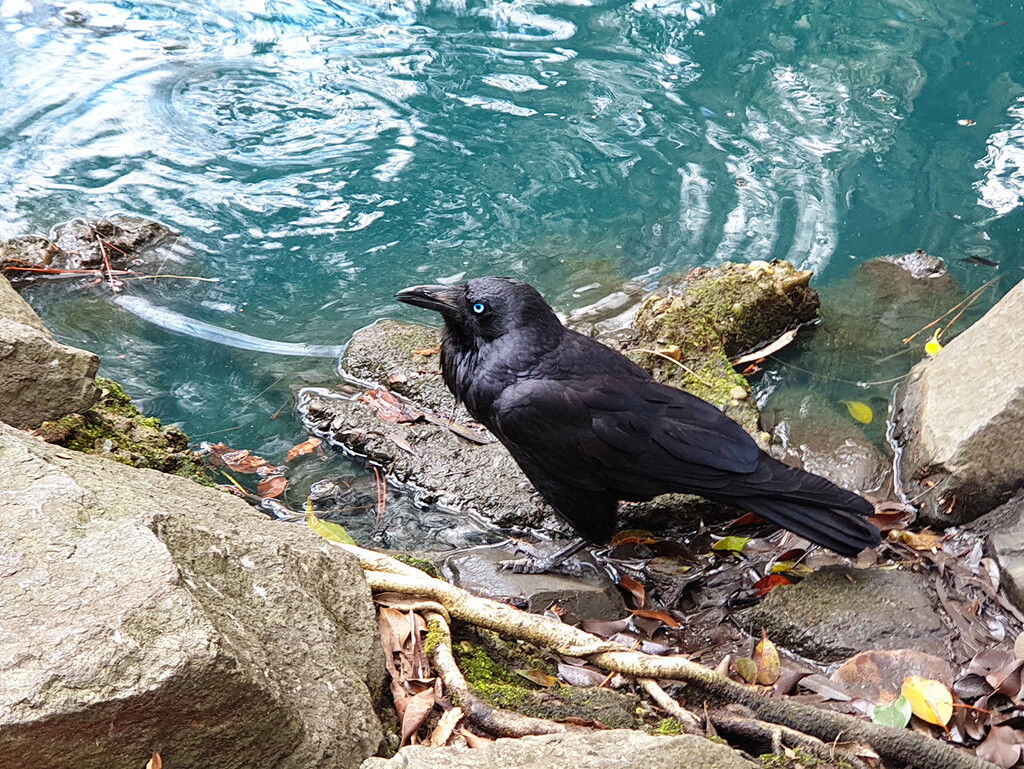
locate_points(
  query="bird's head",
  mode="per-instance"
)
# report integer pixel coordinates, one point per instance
(485, 309)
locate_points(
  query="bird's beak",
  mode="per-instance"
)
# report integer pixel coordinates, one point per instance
(447, 300)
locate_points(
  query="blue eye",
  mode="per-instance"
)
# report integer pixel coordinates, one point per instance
(479, 308)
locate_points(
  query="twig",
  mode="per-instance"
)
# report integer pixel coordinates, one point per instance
(681, 365)
(970, 299)
(173, 277)
(661, 698)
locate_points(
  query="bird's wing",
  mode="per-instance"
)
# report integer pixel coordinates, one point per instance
(632, 436)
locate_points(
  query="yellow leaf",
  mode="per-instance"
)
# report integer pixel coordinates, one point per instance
(334, 532)
(860, 411)
(734, 544)
(929, 700)
(933, 346)
(766, 657)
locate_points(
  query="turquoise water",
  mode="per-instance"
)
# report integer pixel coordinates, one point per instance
(318, 156)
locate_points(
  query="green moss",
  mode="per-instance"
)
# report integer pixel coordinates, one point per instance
(801, 759)
(116, 429)
(669, 726)
(417, 563)
(435, 634)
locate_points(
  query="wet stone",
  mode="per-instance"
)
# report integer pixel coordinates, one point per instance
(839, 611)
(1004, 532)
(589, 594)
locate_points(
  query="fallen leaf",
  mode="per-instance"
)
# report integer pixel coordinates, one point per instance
(927, 541)
(765, 585)
(1000, 747)
(769, 349)
(155, 762)
(333, 532)
(308, 446)
(1018, 646)
(425, 351)
(445, 727)
(635, 589)
(580, 675)
(732, 544)
(538, 677)
(660, 616)
(896, 714)
(417, 709)
(272, 486)
(239, 460)
(891, 515)
(929, 700)
(389, 407)
(746, 668)
(933, 346)
(860, 411)
(766, 657)
(474, 741)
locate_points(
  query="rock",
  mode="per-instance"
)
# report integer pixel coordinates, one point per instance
(142, 612)
(807, 432)
(40, 378)
(716, 314)
(77, 246)
(595, 750)
(959, 419)
(434, 463)
(1004, 534)
(590, 595)
(113, 427)
(839, 611)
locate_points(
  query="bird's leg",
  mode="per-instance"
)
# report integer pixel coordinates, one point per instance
(533, 565)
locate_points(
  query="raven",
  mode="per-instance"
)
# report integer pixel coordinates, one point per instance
(589, 427)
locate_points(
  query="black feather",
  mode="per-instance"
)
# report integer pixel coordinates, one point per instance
(590, 428)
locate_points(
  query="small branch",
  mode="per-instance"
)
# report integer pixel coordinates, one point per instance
(661, 698)
(681, 365)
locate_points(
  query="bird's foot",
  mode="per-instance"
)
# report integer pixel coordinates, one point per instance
(561, 560)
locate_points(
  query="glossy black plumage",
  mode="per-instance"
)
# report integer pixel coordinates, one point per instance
(590, 428)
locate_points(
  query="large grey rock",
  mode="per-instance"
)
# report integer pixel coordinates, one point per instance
(839, 611)
(961, 416)
(611, 749)
(40, 378)
(1004, 533)
(142, 612)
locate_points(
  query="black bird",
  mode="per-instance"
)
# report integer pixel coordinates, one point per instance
(590, 428)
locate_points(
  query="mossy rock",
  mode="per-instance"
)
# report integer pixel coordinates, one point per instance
(116, 429)
(717, 314)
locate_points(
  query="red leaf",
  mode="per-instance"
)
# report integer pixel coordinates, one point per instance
(272, 486)
(765, 585)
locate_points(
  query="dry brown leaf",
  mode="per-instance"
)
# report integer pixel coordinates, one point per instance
(272, 486)
(474, 741)
(660, 616)
(445, 727)
(308, 446)
(155, 762)
(417, 709)
(538, 677)
(389, 407)
(766, 657)
(635, 589)
(1000, 747)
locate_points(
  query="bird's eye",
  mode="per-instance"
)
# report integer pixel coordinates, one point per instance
(479, 308)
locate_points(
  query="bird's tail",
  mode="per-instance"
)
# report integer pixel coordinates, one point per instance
(812, 507)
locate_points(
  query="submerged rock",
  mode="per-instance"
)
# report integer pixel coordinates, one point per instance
(959, 419)
(596, 750)
(142, 612)
(40, 378)
(82, 245)
(714, 315)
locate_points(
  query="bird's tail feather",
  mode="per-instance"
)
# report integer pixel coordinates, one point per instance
(843, 531)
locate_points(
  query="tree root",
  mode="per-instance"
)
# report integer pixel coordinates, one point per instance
(661, 698)
(384, 573)
(776, 735)
(500, 722)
